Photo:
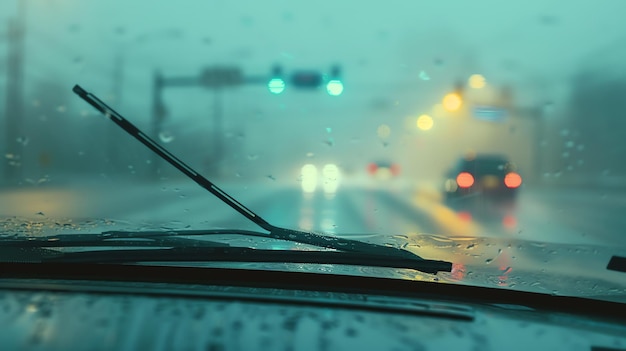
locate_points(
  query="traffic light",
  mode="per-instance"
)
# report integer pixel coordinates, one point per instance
(306, 79)
(276, 85)
(334, 87)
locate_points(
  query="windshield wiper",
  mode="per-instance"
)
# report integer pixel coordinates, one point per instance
(275, 232)
(231, 254)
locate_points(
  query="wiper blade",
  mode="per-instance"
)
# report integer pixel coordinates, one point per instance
(177, 237)
(274, 231)
(243, 254)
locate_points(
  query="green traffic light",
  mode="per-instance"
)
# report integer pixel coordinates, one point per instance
(276, 86)
(334, 87)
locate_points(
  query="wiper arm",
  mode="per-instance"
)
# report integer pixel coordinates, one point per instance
(167, 156)
(243, 254)
(274, 231)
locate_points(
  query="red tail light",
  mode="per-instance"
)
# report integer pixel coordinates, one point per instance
(395, 169)
(512, 180)
(372, 168)
(465, 180)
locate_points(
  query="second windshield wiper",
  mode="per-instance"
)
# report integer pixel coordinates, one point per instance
(274, 231)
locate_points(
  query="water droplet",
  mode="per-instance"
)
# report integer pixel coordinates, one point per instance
(564, 132)
(253, 157)
(23, 140)
(40, 213)
(580, 147)
(61, 108)
(565, 154)
(424, 76)
(310, 154)
(148, 162)
(489, 260)
(329, 130)
(166, 137)
(271, 177)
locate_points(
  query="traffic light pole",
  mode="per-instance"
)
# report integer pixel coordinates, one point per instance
(217, 79)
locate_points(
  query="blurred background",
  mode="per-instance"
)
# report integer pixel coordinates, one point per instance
(458, 118)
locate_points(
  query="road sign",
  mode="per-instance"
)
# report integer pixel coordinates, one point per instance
(490, 113)
(214, 77)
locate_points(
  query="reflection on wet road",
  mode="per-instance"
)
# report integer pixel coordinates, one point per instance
(547, 215)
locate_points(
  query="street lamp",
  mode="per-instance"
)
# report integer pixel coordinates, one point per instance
(452, 102)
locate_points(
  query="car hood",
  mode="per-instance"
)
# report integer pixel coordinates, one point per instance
(496, 262)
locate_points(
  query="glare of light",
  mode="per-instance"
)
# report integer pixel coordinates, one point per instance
(334, 87)
(477, 81)
(309, 178)
(452, 102)
(276, 85)
(512, 180)
(465, 216)
(330, 174)
(465, 180)
(509, 222)
(395, 169)
(383, 131)
(372, 167)
(425, 122)
(305, 223)
(383, 173)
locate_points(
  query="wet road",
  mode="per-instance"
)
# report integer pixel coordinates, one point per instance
(547, 215)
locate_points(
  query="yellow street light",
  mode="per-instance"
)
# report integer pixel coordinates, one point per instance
(452, 102)
(425, 122)
(477, 81)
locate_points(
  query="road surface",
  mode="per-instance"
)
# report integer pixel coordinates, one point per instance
(542, 214)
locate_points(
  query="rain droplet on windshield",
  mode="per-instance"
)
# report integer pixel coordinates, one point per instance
(23, 140)
(166, 137)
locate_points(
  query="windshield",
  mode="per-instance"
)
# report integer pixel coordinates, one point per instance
(487, 134)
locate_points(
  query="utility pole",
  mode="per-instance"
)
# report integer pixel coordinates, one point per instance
(14, 96)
